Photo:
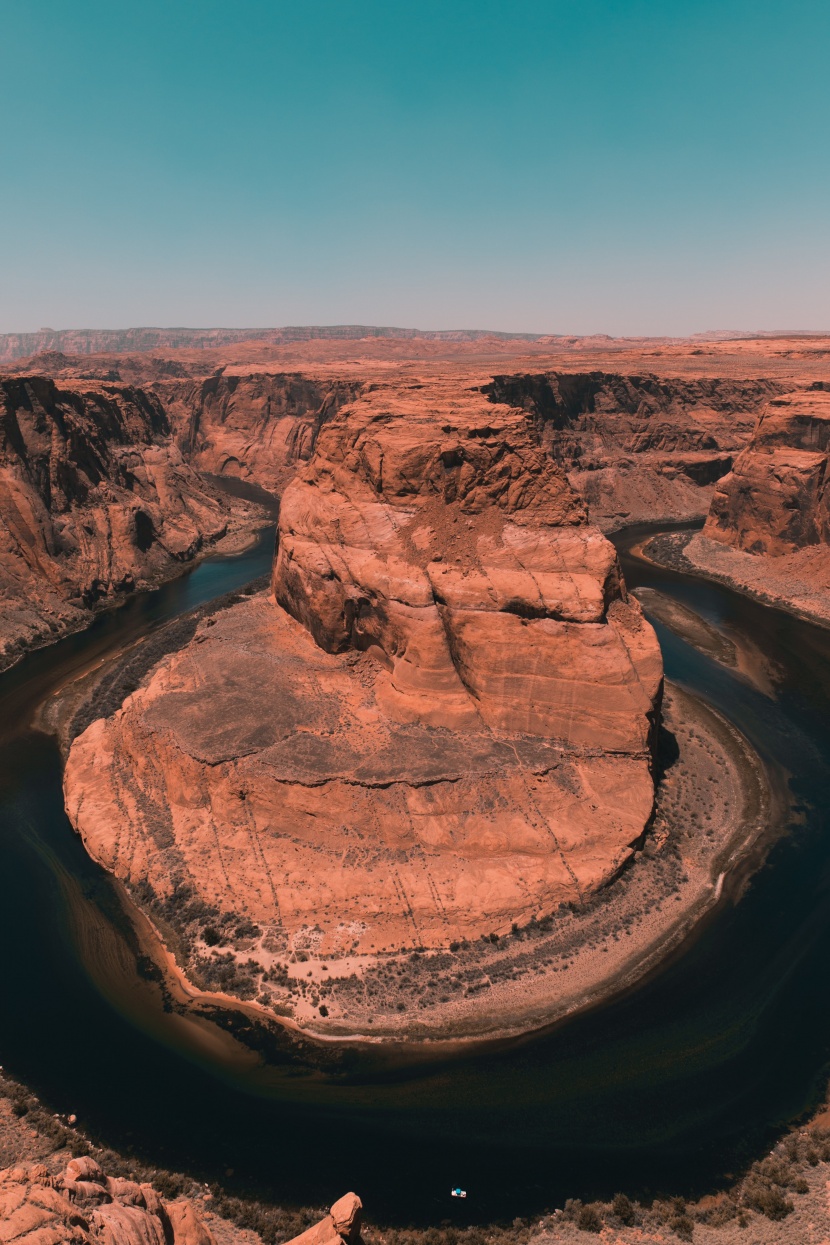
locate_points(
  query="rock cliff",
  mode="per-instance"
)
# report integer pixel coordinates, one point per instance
(639, 447)
(776, 499)
(96, 501)
(85, 1207)
(441, 726)
(257, 426)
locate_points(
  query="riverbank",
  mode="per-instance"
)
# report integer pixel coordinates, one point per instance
(798, 583)
(781, 1198)
(241, 534)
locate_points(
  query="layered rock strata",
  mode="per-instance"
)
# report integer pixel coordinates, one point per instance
(768, 529)
(639, 447)
(96, 501)
(441, 726)
(257, 426)
(85, 1207)
(776, 499)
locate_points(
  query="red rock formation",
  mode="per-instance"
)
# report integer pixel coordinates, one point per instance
(85, 1207)
(639, 447)
(256, 426)
(95, 501)
(776, 499)
(443, 727)
(341, 1225)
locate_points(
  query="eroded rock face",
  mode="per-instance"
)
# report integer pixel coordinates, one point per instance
(83, 1206)
(257, 426)
(776, 500)
(341, 1225)
(442, 725)
(639, 447)
(95, 501)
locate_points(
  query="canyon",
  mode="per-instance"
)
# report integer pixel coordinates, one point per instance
(420, 786)
(446, 711)
(445, 715)
(96, 503)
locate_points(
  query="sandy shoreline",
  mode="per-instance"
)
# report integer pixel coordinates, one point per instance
(778, 583)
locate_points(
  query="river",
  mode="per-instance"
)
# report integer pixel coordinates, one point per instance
(670, 1089)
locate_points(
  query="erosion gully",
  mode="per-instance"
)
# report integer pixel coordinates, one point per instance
(671, 1088)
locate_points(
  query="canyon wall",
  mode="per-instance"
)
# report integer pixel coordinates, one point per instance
(776, 499)
(95, 502)
(639, 447)
(441, 725)
(256, 426)
(117, 341)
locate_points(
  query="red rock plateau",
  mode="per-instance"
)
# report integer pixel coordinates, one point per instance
(83, 1206)
(444, 719)
(96, 502)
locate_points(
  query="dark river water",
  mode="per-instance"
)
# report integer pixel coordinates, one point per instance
(668, 1089)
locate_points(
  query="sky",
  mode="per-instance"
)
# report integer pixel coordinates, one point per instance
(553, 166)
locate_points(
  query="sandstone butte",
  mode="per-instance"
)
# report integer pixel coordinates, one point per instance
(440, 724)
(83, 1206)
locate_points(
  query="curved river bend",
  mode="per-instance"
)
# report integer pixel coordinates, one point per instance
(668, 1089)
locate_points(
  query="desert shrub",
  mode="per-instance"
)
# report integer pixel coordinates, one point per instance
(769, 1199)
(682, 1226)
(623, 1209)
(588, 1218)
(171, 1184)
(718, 1215)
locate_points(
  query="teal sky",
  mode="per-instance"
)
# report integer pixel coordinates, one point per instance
(619, 166)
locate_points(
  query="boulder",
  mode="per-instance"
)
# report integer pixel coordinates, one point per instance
(85, 1207)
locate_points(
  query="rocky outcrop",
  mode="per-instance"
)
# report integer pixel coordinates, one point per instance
(85, 1207)
(96, 501)
(257, 426)
(776, 499)
(441, 727)
(341, 1226)
(639, 447)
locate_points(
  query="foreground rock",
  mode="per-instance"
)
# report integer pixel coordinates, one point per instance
(341, 1226)
(84, 1206)
(442, 728)
(95, 503)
